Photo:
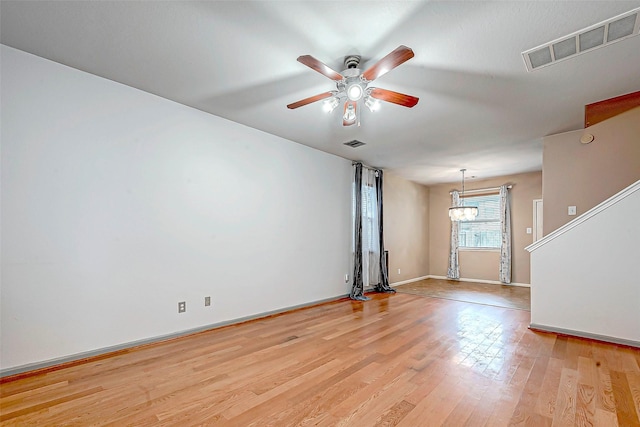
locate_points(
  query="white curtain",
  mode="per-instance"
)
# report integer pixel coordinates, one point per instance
(453, 272)
(370, 231)
(505, 247)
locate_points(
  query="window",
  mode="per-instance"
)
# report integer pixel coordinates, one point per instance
(483, 232)
(370, 218)
(369, 215)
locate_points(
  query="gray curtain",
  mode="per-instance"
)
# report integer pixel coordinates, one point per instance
(376, 274)
(357, 287)
(453, 272)
(383, 284)
(505, 247)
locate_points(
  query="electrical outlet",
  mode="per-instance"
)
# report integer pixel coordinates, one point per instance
(182, 306)
(207, 301)
(529, 231)
(571, 210)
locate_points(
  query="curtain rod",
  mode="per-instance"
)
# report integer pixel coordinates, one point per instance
(483, 190)
(353, 163)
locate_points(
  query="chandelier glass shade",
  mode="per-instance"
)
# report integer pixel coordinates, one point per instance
(462, 212)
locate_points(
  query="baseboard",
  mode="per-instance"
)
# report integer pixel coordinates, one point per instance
(490, 282)
(597, 337)
(404, 282)
(104, 352)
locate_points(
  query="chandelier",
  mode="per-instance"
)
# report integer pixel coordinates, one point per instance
(462, 212)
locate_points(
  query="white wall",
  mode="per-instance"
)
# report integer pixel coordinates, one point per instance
(587, 280)
(117, 204)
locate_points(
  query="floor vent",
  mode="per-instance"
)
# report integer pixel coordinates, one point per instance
(355, 143)
(596, 36)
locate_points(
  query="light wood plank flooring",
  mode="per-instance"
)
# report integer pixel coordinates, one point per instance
(508, 296)
(398, 359)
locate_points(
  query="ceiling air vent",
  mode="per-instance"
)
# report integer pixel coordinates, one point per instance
(598, 35)
(354, 144)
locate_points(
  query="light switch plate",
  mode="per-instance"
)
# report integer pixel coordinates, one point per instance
(571, 210)
(529, 230)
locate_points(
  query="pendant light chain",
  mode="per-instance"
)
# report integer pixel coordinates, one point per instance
(462, 196)
(460, 212)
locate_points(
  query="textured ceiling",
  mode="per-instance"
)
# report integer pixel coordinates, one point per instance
(479, 108)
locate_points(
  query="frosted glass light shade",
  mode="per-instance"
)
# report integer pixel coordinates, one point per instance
(354, 92)
(463, 213)
(330, 104)
(349, 114)
(372, 104)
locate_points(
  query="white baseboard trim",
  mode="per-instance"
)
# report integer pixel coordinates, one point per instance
(491, 282)
(404, 282)
(581, 334)
(114, 348)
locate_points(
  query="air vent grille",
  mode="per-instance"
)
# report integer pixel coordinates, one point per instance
(354, 144)
(617, 28)
(591, 39)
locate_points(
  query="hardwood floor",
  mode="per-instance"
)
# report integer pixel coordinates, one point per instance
(507, 296)
(398, 359)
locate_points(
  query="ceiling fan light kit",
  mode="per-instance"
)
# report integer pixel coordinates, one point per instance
(372, 104)
(351, 85)
(349, 115)
(331, 104)
(354, 92)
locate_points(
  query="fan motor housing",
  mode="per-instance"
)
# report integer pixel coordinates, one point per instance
(351, 72)
(352, 61)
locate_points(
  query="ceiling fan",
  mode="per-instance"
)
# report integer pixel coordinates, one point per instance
(352, 85)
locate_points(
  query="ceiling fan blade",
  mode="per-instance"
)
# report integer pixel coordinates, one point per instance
(394, 97)
(349, 117)
(320, 67)
(309, 100)
(388, 63)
